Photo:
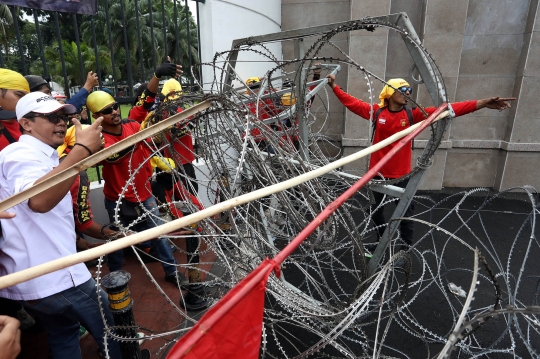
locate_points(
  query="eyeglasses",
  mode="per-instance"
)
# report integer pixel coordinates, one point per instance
(404, 89)
(52, 117)
(110, 109)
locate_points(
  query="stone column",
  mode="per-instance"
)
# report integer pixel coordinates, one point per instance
(443, 33)
(519, 158)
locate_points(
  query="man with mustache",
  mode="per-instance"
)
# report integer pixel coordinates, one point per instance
(43, 228)
(117, 171)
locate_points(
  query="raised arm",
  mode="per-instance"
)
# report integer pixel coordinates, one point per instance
(88, 138)
(354, 105)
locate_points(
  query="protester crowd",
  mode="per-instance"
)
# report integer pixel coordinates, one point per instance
(44, 133)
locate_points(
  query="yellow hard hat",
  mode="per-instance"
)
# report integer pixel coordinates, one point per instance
(69, 141)
(288, 99)
(171, 89)
(252, 80)
(98, 100)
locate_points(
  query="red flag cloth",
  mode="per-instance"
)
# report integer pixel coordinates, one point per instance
(233, 327)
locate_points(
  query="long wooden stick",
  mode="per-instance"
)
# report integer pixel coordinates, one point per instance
(101, 155)
(148, 234)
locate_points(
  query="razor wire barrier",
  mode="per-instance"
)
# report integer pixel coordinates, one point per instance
(328, 302)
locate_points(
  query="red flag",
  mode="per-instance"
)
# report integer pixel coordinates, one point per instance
(233, 327)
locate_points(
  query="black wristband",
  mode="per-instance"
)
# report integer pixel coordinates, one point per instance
(101, 230)
(84, 146)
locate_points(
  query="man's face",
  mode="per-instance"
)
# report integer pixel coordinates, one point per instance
(110, 119)
(9, 100)
(46, 131)
(399, 98)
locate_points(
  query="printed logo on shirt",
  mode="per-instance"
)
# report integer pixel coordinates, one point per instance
(403, 122)
(382, 121)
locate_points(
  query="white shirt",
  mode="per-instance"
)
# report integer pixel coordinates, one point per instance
(34, 238)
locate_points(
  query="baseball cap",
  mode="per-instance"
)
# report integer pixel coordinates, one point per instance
(39, 102)
(7, 115)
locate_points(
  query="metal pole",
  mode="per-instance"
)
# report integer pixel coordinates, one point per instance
(61, 50)
(111, 47)
(301, 101)
(96, 52)
(41, 52)
(391, 229)
(128, 55)
(199, 43)
(194, 299)
(164, 25)
(121, 305)
(19, 41)
(177, 57)
(150, 12)
(189, 46)
(77, 41)
(141, 60)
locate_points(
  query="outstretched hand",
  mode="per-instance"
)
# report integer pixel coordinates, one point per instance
(495, 103)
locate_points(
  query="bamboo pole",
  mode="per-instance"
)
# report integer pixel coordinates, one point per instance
(101, 155)
(45, 268)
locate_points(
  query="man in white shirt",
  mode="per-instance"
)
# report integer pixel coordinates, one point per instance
(43, 229)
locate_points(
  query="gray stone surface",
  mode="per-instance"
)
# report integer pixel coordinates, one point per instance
(496, 17)
(446, 17)
(363, 8)
(470, 168)
(478, 128)
(520, 168)
(433, 176)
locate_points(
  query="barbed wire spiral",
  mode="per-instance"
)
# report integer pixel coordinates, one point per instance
(326, 305)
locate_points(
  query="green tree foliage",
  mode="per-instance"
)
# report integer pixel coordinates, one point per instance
(71, 58)
(119, 46)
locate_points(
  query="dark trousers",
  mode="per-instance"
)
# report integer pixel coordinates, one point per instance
(164, 182)
(406, 228)
(9, 307)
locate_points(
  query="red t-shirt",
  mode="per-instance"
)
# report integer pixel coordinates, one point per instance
(266, 110)
(118, 168)
(183, 146)
(12, 126)
(390, 123)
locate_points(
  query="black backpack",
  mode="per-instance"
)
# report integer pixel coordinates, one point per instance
(375, 119)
